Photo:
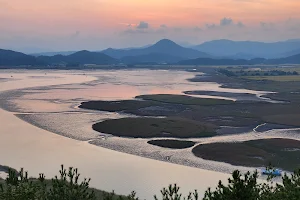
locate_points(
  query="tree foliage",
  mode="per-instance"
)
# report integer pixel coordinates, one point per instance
(18, 186)
(67, 186)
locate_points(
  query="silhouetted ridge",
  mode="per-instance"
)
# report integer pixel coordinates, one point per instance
(80, 57)
(165, 43)
(163, 52)
(228, 48)
(209, 61)
(13, 58)
(164, 46)
(295, 59)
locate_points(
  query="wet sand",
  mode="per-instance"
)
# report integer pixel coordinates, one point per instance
(37, 150)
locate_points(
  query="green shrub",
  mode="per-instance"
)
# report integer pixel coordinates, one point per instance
(67, 186)
(18, 186)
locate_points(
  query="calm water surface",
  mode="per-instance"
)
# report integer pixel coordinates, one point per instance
(49, 100)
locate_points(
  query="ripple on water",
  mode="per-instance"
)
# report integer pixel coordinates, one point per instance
(58, 113)
(78, 126)
(73, 125)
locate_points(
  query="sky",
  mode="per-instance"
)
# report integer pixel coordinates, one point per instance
(61, 25)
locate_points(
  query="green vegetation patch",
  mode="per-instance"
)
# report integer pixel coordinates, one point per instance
(155, 127)
(115, 106)
(246, 186)
(280, 80)
(18, 186)
(275, 78)
(185, 100)
(257, 72)
(172, 144)
(283, 153)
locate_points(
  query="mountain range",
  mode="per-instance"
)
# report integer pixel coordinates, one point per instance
(295, 59)
(12, 58)
(80, 57)
(164, 46)
(249, 49)
(215, 49)
(168, 52)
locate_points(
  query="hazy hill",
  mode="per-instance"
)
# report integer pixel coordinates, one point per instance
(143, 47)
(164, 46)
(64, 53)
(209, 61)
(80, 57)
(254, 49)
(291, 53)
(13, 58)
(295, 59)
(240, 56)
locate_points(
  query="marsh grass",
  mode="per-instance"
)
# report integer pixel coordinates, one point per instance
(147, 127)
(283, 153)
(172, 144)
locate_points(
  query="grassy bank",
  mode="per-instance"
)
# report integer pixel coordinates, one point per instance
(275, 78)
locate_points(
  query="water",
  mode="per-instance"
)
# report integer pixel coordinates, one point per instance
(49, 100)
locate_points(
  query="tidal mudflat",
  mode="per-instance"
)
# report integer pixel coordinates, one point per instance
(52, 104)
(36, 149)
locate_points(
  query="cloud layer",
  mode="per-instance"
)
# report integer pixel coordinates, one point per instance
(98, 24)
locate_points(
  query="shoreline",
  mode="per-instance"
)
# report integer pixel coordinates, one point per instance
(181, 157)
(44, 151)
(96, 139)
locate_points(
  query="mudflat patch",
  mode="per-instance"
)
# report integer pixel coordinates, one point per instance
(254, 153)
(172, 144)
(155, 127)
(183, 99)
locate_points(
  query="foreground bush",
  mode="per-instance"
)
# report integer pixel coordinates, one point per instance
(67, 186)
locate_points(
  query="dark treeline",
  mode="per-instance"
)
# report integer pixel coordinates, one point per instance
(212, 61)
(257, 73)
(67, 186)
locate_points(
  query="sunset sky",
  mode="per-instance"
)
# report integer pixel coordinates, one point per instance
(59, 25)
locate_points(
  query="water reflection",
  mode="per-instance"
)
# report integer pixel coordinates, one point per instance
(35, 149)
(118, 85)
(55, 109)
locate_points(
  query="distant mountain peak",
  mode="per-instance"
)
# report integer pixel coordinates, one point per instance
(83, 51)
(162, 47)
(166, 42)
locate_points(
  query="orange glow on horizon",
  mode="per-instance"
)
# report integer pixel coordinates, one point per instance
(110, 13)
(115, 23)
